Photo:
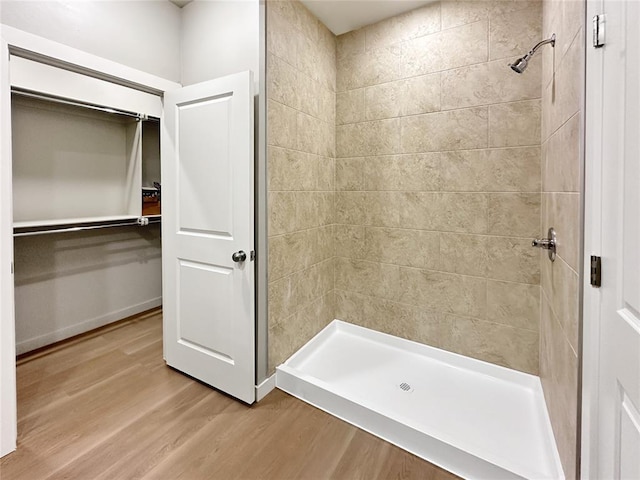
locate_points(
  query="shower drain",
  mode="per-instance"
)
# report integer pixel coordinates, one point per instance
(404, 386)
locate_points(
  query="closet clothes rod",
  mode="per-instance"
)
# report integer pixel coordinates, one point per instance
(141, 222)
(73, 103)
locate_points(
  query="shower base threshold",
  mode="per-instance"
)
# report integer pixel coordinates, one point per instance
(470, 417)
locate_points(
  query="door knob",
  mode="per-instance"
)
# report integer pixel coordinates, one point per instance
(547, 243)
(239, 256)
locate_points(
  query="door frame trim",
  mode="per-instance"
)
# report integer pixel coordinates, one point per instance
(23, 44)
(591, 304)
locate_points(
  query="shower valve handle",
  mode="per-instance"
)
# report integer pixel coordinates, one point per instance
(543, 243)
(547, 243)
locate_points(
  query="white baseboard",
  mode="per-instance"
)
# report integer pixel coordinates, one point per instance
(265, 387)
(72, 330)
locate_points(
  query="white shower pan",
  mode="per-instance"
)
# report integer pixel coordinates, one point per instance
(472, 418)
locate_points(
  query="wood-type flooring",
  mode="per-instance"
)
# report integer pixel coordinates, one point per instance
(106, 406)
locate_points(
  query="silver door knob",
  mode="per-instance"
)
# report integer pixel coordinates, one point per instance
(547, 243)
(239, 256)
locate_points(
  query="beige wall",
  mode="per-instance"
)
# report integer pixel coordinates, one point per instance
(300, 165)
(562, 160)
(438, 179)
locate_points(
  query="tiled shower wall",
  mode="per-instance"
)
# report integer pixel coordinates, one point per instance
(562, 158)
(438, 179)
(300, 154)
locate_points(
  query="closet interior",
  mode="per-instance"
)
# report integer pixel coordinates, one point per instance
(86, 186)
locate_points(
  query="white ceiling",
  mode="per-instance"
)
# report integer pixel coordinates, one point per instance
(341, 16)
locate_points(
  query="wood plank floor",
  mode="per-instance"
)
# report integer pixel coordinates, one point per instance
(105, 406)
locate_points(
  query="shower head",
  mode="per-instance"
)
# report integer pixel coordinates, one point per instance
(520, 65)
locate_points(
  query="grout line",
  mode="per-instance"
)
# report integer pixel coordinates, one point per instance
(556, 318)
(433, 112)
(423, 269)
(431, 310)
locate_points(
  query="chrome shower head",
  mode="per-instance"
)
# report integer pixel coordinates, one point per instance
(520, 65)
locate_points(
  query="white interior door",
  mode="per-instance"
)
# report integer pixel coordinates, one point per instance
(207, 220)
(613, 211)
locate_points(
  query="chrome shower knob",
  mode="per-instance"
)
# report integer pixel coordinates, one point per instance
(548, 243)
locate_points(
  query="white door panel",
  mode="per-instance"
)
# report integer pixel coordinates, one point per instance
(207, 209)
(614, 173)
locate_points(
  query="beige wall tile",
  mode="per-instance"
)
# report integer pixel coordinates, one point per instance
(281, 37)
(403, 97)
(350, 43)
(290, 294)
(367, 278)
(516, 213)
(491, 342)
(413, 248)
(420, 210)
(349, 306)
(447, 212)
(326, 173)
(514, 124)
(381, 209)
(328, 139)
(493, 170)
(313, 209)
(564, 297)
(350, 106)
(570, 85)
(282, 213)
(446, 49)
(419, 172)
(369, 68)
(570, 19)
(488, 83)
(422, 94)
(464, 254)
(290, 253)
(281, 125)
(350, 241)
(327, 69)
(563, 214)
(326, 105)
(282, 82)
(514, 304)
(461, 12)
(559, 376)
(415, 23)
(513, 34)
(408, 322)
(513, 259)
(561, 163)
(308, 93)
(324, 248)
(454, 130)
(291, 170)
(443, 292)
(309, 56)
(463, 212)
(350, 208)
(367, 139)
(350, 173)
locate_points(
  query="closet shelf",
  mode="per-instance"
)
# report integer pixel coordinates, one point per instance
(22, 229)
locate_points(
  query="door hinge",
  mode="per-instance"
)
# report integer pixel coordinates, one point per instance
(598, 31)
(596, 271)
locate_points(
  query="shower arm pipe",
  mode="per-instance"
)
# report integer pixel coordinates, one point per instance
(551, 40)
